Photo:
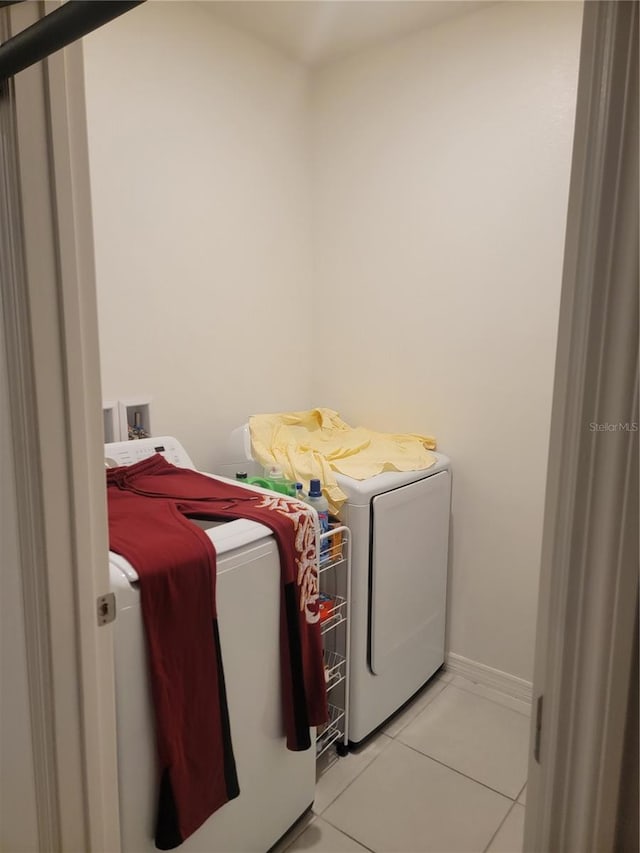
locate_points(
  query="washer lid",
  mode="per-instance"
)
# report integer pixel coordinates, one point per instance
(360, 492)
(225, 535)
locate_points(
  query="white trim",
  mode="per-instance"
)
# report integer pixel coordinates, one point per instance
(495, 679)
(589, 577)
(69, 163)
(52, 344)
(28, 497)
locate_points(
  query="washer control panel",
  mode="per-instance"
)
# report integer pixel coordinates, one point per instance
(119, 453)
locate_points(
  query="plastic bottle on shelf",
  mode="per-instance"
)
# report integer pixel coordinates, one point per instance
(317, 500)
(242, 476)
(300, 492)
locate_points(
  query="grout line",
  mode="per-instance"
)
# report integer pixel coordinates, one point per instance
(500, 825)
(459, 772)
(352, 837)
(521, 792)
(359, 773)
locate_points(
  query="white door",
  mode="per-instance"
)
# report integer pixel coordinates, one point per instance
(408, 587)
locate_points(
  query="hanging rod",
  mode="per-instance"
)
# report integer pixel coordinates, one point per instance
(56, 30)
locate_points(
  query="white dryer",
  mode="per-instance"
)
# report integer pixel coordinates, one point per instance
(400, 534)
(276, 785)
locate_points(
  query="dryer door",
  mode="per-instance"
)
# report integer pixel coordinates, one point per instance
(409, 573)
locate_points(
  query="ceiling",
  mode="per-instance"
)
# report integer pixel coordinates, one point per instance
(316, 31)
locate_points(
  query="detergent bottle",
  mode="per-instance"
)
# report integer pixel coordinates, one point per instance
(317, 500)
(274, 473)
(279, 482)
(275, 481)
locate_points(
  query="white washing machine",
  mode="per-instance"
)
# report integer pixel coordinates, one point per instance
(276, 785)
(400, 535)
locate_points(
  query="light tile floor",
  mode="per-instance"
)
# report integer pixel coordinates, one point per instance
(447, 775)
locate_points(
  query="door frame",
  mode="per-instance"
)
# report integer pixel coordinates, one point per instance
(588, 600)
(50, 319)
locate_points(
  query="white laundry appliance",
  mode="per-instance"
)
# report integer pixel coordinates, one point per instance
(399, 525)
(276, 785)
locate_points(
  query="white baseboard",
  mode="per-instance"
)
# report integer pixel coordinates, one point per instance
(489, 677)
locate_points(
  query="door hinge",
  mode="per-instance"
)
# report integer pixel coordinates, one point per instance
(538, 737)
(106, 608)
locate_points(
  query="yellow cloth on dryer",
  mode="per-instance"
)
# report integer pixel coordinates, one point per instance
(316, 443)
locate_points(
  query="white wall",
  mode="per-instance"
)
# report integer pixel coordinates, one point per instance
(441, 169)
(428, 181)
(199, 178)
